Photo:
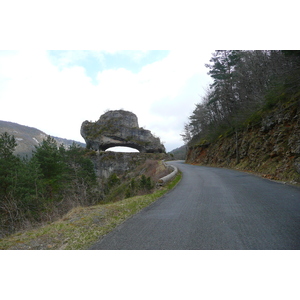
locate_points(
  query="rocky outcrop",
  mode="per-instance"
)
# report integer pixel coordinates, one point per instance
(119, 128)
(270, 147)
(107, 163)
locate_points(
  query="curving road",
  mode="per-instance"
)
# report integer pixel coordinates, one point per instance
(214, 208)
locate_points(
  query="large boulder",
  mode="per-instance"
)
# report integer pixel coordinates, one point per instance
(119, 128)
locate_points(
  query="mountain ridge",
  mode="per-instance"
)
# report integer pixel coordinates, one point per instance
(28, 137)
(179, 153)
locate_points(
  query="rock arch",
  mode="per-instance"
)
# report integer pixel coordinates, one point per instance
(119, 128)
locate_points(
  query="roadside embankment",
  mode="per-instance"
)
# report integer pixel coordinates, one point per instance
(83, 226)
(270, 146)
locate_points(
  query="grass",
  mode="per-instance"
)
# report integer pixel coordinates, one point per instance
(83, 226)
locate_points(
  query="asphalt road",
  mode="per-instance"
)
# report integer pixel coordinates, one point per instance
(213, 208)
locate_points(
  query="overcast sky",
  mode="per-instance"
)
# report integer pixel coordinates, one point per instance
(55, 91)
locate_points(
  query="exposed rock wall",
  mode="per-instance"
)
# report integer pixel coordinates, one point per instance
(107, 163)
(271, 146)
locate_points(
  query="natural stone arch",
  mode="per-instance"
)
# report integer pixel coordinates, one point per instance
(119, 128)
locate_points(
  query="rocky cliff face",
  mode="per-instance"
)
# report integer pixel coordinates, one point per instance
(270, 146)
(119, 128)
(107, 163)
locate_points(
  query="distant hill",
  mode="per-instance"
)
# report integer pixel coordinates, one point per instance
(179, 153)
(28, 137)
(67, 142)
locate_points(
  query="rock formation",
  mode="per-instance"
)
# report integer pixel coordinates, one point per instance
(121, 164)
(119, 128)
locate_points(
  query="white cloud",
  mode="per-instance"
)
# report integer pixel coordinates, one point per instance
(65, 58)
(57, 98)
(37, 94)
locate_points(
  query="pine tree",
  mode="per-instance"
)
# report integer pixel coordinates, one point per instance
(222, 71)
(8, 163)
(51, 164)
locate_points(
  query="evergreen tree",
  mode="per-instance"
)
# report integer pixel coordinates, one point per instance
(8, 163)
(50, 160)
(30, 188)
(222, 71)
(45, 186)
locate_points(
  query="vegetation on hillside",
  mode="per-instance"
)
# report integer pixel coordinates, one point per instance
(245, 84)
(141, 181)
(44, 187)
(41, 188)
(83, 226)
